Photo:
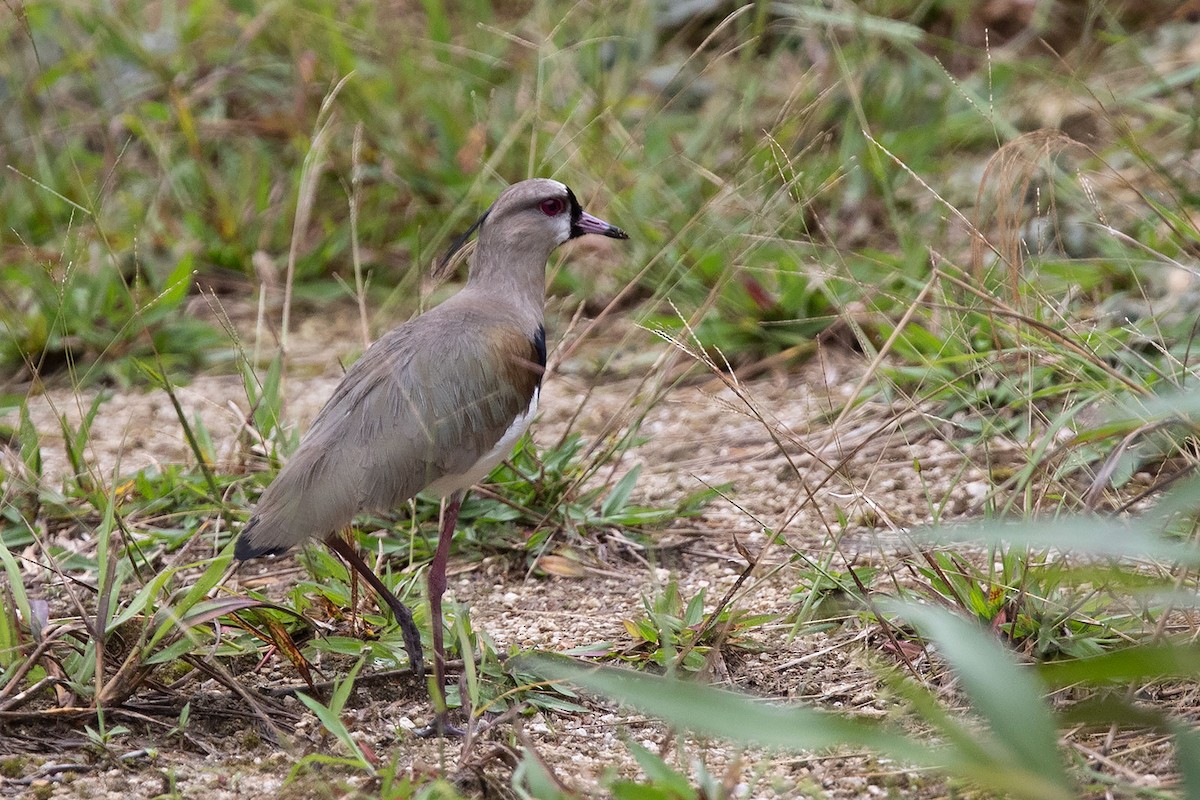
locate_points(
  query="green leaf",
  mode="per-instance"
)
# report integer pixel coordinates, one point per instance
(1187, 755)
(141, 600)
(1141, 662)
(31, 444)
(341, 692)
(178, 283)
(1007, 695)
(532, 781)
(170, 616)
(717, 712)
(619, 495)
(631, 790)
(1100, 536)
(694, 614)
(330, 718)
(173, 651)
(661, 775)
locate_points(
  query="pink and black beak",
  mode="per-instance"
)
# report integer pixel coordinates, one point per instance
(583, 222)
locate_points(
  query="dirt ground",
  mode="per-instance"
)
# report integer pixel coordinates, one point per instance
(776, 452)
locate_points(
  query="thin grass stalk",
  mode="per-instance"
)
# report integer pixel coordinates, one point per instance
(360, 290)
(310, 173)
(210, 479)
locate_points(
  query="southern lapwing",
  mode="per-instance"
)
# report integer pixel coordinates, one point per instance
(433, 405)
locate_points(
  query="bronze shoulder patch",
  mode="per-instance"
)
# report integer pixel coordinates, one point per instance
(521, 361)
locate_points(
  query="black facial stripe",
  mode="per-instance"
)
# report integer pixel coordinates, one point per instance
(458, 243)
(576, 214)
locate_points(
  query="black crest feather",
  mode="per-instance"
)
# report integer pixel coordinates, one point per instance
(461, 241)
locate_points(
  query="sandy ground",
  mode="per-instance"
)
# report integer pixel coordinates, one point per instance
(836, 495)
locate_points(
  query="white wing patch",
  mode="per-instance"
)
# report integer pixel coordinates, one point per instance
(449, 484)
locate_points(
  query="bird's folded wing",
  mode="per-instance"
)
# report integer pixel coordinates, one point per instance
(415, 408)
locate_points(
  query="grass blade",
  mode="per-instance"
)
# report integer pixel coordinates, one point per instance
(1007, 696)
(716, 712)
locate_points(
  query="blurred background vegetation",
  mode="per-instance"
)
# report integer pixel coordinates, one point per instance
(783, 166)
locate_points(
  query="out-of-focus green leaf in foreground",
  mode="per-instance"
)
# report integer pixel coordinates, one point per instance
(1009, 744)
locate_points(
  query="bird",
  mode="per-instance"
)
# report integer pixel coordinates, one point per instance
(433, 405)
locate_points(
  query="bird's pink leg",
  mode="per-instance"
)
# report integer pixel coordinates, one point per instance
(437, 587)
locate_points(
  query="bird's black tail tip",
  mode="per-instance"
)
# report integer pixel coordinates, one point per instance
(246, 549)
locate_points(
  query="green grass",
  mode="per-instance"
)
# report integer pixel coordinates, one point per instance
(866, 173)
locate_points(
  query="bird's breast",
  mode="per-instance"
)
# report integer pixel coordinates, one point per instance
(449, 484)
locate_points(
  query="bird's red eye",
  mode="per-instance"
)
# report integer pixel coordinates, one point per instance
(552, 207)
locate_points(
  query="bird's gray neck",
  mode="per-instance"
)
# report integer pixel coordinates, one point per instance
(510, 271)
